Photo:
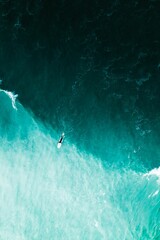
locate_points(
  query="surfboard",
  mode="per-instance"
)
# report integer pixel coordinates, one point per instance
(59, 144)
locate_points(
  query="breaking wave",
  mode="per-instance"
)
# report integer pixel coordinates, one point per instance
(47, 193)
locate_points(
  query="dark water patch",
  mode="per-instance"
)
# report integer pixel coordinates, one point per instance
(91, 69)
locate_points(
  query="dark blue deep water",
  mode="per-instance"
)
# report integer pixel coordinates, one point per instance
(90, 69)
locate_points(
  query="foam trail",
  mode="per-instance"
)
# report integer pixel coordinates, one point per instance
(46, 193)
(12, 96)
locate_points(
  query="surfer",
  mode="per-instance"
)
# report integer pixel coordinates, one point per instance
(60, 141)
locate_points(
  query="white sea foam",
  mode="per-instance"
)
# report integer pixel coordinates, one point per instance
(50, 194)
(12, 96)
(154, 173)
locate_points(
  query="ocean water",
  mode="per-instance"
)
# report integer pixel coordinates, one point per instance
(47, 193)
(91, 70)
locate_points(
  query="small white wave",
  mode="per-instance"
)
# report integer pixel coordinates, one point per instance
(12, 96)
(154, 172)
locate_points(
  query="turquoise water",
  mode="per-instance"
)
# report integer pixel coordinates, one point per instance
(47, 193)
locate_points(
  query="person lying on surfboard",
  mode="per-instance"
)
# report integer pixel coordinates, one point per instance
(59, 144)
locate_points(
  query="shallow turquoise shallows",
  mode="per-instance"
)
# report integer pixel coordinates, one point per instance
(64, 194)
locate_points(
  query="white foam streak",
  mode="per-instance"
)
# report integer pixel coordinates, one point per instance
(12, 96)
